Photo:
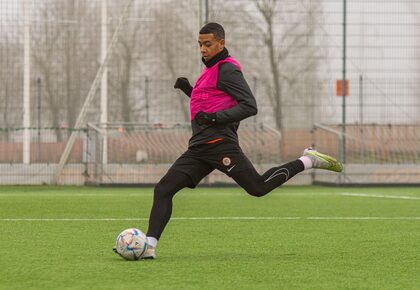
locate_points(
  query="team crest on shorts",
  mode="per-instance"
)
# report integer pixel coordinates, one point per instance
(226, 161)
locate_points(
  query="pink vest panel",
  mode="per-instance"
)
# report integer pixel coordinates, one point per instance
(206, 96)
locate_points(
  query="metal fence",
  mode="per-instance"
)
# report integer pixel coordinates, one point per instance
(52, 51)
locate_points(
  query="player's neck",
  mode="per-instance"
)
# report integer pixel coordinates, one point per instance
(218, 57)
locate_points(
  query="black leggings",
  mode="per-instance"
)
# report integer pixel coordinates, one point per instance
(165, 190)
(259, 185)
(250, 180)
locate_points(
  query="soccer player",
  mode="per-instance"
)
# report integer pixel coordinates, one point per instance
(220, 99)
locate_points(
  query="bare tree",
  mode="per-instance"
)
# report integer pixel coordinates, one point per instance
(10, 92)
(175, 39)
(125, 69)
(277, 39)
(126, 58)
(149, 53)
(63, 56)
(45, 43)
(291, 52)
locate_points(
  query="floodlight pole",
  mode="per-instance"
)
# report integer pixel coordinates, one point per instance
(104, 81)
(343, 86)
(206, 14)
(26, 82)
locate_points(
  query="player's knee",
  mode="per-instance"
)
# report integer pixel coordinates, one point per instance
(256, 191)
(162, 191)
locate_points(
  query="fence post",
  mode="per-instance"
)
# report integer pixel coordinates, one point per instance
(39, 118)
(146, 97)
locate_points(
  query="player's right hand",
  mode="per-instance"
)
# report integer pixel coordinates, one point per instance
(204, 118)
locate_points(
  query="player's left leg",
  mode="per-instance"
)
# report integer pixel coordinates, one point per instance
(259, 185)
(315, 159)
(244, 173)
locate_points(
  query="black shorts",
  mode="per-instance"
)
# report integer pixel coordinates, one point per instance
(198, 161)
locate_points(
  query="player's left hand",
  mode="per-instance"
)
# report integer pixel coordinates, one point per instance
(184, 85)
(204, 118)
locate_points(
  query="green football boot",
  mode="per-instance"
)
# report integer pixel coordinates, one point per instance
(323, 161)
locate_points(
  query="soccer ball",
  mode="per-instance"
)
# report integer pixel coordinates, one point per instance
(131, 244)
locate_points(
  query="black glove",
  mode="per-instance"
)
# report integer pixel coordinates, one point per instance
(204, 118)
(184, 85)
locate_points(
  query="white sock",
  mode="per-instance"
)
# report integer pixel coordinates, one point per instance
(307, 162)
(152, 241)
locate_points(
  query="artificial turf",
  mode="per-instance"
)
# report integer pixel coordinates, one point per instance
(220, 238)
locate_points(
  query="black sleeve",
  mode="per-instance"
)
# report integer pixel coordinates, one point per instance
(232, 81)
(188, 91)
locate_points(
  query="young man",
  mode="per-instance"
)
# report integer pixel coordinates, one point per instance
(220, 99)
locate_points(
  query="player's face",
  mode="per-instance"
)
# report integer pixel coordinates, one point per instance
(209, 45)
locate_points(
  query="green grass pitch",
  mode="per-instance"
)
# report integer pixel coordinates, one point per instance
(221, 238)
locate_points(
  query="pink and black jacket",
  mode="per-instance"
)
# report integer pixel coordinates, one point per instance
(221, 89)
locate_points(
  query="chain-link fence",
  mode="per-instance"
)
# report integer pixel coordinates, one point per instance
(52, 51)
(142, 153)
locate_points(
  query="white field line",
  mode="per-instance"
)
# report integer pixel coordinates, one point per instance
(204, 219)
(380, 196)
(150, 193)
(219, 193)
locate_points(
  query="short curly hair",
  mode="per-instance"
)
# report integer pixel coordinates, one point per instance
(215, 28)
